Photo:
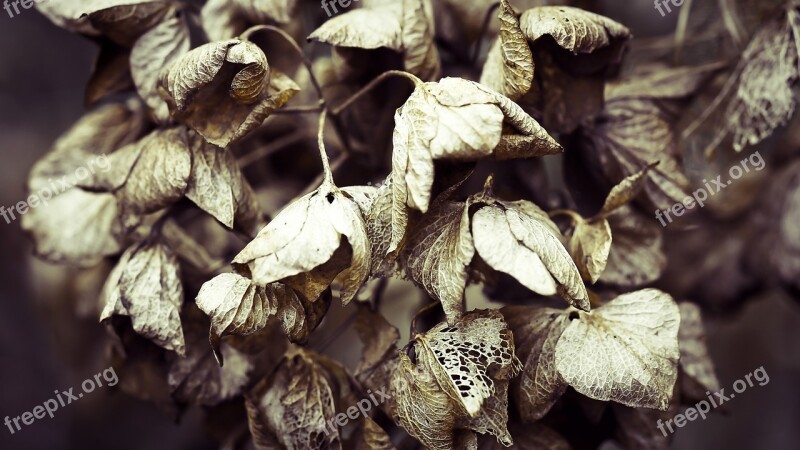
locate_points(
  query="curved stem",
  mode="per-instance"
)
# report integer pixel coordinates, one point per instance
(288, 38)
(486, 19)
(371, 85)
(309, 67)
(576, 218)
(414, 330)
(326, 166)
(304, 109)
(680, 30)
(279, 144)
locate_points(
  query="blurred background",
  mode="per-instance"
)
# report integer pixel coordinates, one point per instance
(43, 70)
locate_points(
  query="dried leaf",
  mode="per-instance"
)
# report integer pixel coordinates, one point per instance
(224, 90)
(124, 21)
(154, 51)
(633, 133)
(372, 437)
(198, 379)
(509, 65)
(573, 29)
(111, 74)
(306, 235)
(145, 285)
(150, 174)
(217, 186)
(225, 19)
(536, 332)
(533, 437)
(405, 26)
(519, 239)
(636, 257)
(438, 255)
(73, 225)
(625, 350)
(452, 119)
(459, 379)
(590, 245)
(293, 406)
(764, 98)
(696, 365)
(379, 339)
(625, 191)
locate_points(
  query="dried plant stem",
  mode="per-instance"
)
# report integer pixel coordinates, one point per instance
(326, 166)
(300, 109)
(730, 21)
(277, 145)
(309, 67)
(484, 28)
(371, 85)
(576, 218)
(680, 30)
(286, 36)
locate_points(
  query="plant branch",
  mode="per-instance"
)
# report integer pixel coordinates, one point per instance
(326, 167)
(484, 28)
(279, 144)
(371, 85)
(286, 36)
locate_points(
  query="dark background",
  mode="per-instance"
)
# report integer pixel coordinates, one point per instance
(42, 74)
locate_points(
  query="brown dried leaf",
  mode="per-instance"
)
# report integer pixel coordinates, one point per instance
(225, 19)
(764, 98)
(77, 226)
(509, 65)
(536, 332)
(625, 350)
(145, 285)
(224, 90)
(573, 29)
(625, 191)
(696, 365)
(197, 378)
(519, 239)
(453, 119)
(438, 255)
(379, 338)
(372, 437)
(306, 235)
(590, 245)
(636, 257)
(217, 186)
(405, 26)
(459, 379)
(154, 51)
(293, 405)
(148, 175)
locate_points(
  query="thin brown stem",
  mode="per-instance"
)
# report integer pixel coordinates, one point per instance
(484, 27)
(680, 29)
(286, 36)
(371, 85)
(309, 67)
(576, 218)
(335, 165)
(424, 310)
(305, 109)
(273, 147)
(326, 166)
